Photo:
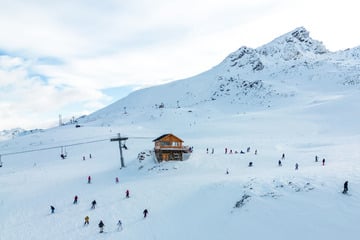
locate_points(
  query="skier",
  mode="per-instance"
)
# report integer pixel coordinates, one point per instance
(207, 150)
(212, 151)
(248, 149)
(127, 194)
(255, 151)
(83, 158)
(145, 212)
(86, 220)
(52, 208)
(225, 150)
(345, 187)
(93, 204)
(75, 199)
(89, 179)
(227, 171)
(323, 161)
(90, 156)
(250, 164)
(116, 180)
(101, 226)
(119, 224)
(316, 158)
(283, 156)
(279, 163)
(296, 166)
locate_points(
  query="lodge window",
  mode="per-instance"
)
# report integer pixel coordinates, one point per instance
(165, 144)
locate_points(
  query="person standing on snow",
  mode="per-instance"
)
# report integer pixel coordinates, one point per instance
(323, 162)
(145, 212)
(119, 224)
(89, 179)
(52, 208)
(296, 166)
(93, 204)
(345, 187)
(75, 199)
(86, 220)
(127, 194)
(101, 226)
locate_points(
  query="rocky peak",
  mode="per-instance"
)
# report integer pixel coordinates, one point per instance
(245, 57)
(293, 45)
(301, 34)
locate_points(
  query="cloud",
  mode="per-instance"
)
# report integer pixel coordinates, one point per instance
(66, 56)
(29, 101)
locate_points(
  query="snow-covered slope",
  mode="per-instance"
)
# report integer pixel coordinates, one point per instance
(303, 106)
(290, 68)
(7, 134)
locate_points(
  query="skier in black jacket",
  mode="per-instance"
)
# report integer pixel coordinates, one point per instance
(101, 226)
(345, 187)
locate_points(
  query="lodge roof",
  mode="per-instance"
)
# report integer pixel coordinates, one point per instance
(167, 134)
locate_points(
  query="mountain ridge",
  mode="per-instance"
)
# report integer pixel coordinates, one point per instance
(250, 79)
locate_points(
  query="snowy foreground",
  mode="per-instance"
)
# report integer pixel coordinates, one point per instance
(194, 199)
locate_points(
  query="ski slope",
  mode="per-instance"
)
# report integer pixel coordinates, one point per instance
(303, 103)
(194, 199)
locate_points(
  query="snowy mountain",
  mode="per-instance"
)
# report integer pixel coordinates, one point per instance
(8, 134)
(285, 70)
(290, 97)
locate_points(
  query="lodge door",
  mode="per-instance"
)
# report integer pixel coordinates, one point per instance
(165, 157)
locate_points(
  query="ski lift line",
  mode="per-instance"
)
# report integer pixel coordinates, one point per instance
(142, 137)
(64, 145)
(93, 137)
(54, 147)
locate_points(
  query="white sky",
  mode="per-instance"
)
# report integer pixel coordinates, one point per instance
(74, 57)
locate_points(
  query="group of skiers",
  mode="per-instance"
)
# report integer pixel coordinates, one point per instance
(89, 180)
(119, 223)
(230, 151)
(102, 225)
(90, 156)
(93, 205)
(317, 159)
(345, 190)
(212, 150)
(296, 164)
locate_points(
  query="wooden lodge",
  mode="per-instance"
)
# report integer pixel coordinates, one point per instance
(169, 147)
